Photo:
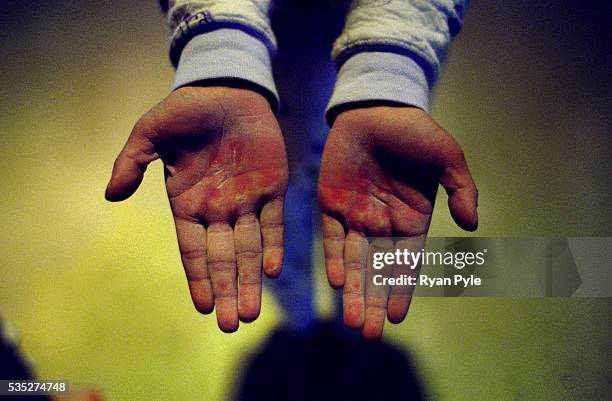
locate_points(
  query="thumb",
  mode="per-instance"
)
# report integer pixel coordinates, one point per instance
(462, 194)
(130, 166)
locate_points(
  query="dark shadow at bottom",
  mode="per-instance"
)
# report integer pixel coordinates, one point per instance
(327, 363)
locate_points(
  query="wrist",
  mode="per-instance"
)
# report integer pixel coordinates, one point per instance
(225, 98)
(246, 89)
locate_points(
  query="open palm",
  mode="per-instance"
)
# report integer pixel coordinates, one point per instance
(379, 177)
(226, 177)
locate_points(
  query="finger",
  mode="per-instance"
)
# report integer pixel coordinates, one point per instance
(376, 295)
(462, 194)
(247, 239)
(333, 248)
(397, 308)
(192, 245)
(130, 166)
(353, 303)
(400, 296)
(222, 268)
(271, 220)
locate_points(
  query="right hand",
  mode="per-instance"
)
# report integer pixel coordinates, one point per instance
(226, 178)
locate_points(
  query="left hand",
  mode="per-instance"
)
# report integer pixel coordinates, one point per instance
(379, 176)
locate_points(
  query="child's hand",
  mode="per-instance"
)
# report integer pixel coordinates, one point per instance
(226, 177)
(379, 176)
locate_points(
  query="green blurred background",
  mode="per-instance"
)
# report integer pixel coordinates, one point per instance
(97, 293)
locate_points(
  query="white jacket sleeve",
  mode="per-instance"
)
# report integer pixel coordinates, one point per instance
(213, 39)
(391, 50)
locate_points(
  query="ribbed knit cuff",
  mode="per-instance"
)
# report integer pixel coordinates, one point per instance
(379, 76)
(226, 53)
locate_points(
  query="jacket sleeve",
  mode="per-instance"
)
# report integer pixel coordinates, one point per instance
(212, 39)
(391, 50)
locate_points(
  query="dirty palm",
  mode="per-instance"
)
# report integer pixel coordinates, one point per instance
(226, 177)
(380, 172)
